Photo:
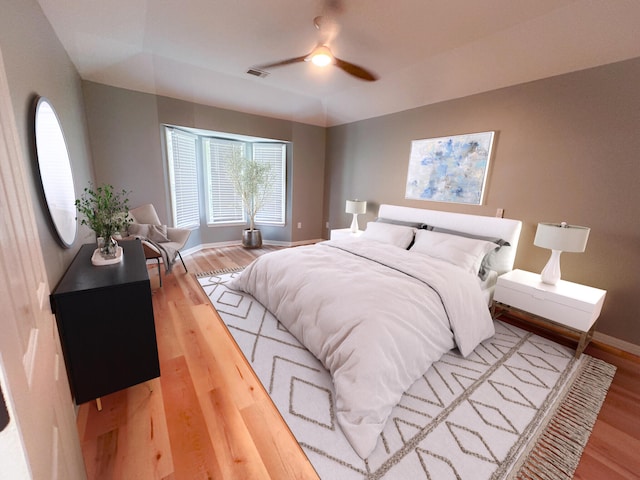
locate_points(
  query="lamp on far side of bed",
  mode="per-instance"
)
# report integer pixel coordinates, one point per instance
(357, 207)
(559, 237)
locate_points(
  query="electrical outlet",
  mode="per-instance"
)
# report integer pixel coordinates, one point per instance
(500, 212)
(326, 225)
(299, 224)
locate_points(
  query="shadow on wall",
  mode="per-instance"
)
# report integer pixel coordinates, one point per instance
(4, 414)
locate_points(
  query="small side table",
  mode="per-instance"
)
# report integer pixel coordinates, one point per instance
(344, 232)
(570, 305)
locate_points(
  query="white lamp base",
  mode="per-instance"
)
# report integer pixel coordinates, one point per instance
(354, 223)
(551, 272)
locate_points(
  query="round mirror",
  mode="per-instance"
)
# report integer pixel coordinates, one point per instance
(55, 172)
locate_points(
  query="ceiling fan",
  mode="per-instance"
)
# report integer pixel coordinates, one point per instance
(321, 55)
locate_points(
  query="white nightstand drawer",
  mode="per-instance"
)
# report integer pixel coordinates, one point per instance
(570, 304)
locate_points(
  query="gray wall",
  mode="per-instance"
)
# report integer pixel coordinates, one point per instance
(566, 150)
(127, 147)
(37, 65)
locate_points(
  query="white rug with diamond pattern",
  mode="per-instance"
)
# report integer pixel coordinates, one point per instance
(518, 406)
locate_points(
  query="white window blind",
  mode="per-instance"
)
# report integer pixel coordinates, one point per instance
(224, 205)
(273, 154)
(183, 178)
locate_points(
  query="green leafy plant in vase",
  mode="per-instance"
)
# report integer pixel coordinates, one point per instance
(106, 212)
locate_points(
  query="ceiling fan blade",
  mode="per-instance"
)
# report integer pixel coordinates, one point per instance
(281, 63)
(355, 70)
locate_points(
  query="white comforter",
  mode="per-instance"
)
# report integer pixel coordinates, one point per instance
(376, 316)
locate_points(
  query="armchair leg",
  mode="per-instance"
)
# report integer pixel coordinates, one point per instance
(159, 270)
(185, 267)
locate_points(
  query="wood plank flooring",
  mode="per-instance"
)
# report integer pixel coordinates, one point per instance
(208, 417)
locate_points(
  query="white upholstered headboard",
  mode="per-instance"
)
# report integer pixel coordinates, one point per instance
(503, 228)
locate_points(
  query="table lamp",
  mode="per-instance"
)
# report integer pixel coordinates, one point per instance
(559, 237)
(357, 207)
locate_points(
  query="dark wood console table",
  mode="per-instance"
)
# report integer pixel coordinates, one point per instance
(106, 325)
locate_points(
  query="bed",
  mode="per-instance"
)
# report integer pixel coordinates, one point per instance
(377, 310)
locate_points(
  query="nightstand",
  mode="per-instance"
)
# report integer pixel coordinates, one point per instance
(344, 232)
(570, 305)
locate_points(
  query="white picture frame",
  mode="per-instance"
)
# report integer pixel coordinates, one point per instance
(450, 169)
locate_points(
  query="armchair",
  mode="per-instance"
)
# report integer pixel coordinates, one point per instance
(158, 248)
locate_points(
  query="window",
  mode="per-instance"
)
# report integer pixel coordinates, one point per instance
(205, 157)
(224, 205)
(274, 154)
(183, 178)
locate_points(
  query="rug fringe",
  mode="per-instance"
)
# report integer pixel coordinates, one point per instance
(222, 271)
(556, 453)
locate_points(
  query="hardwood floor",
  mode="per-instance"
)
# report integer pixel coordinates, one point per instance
(208, 417)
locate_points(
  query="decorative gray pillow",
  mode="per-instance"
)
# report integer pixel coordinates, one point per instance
(416, 225)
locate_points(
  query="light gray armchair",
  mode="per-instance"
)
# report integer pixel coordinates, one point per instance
(157, 242)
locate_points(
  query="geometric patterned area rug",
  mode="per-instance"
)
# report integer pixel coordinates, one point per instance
(519, 406)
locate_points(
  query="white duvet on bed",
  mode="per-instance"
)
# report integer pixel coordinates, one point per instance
(376, 316)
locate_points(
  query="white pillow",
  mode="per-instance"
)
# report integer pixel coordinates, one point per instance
(499, 259)
(466, 253)
(398, 235)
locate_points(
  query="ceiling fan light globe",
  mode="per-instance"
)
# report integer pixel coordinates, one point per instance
(321, 60)
(321, 56)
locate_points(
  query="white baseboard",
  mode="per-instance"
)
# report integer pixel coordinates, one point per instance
(293, 244)
(617, 343)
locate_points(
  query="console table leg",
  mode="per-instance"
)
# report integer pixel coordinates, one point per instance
(492, 310)
(99, 404)
(585, 338)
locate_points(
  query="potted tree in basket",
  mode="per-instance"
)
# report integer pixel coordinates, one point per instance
(252, 180)
(105, 211)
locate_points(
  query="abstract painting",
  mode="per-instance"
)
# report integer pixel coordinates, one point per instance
(449, 169)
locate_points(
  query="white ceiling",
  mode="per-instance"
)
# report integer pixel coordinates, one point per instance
(423, 51)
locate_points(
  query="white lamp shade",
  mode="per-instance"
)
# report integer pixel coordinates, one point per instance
(559, 237)
(562, 237)
(358, 207)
